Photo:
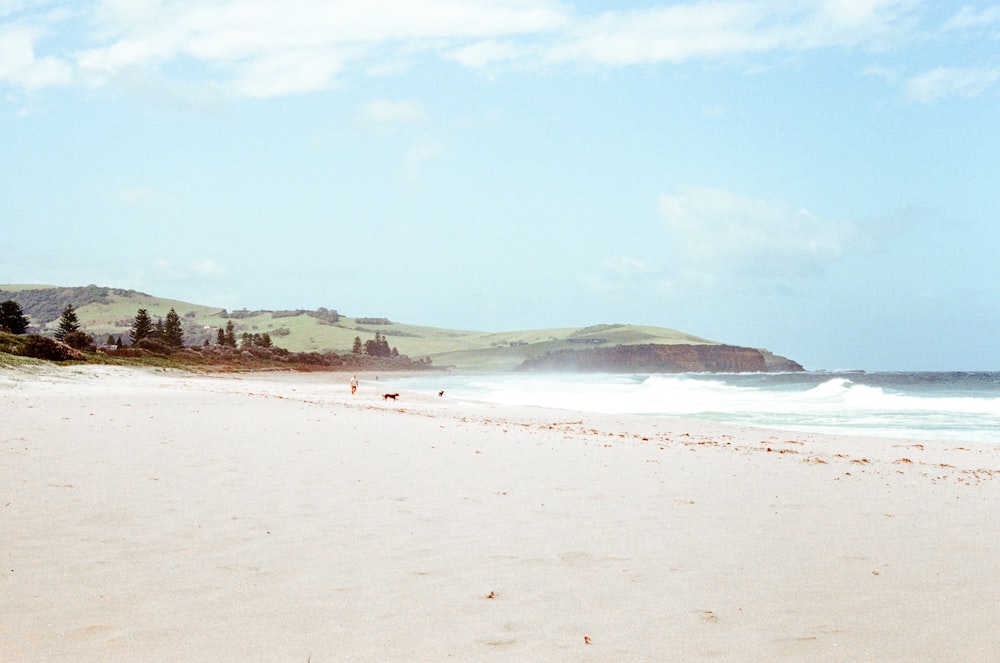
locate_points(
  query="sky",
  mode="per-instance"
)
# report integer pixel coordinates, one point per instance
(817, 178)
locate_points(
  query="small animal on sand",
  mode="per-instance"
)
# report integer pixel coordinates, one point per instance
(440, 393)
(386, 397)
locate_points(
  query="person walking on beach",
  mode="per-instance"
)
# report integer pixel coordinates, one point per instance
(354, 383)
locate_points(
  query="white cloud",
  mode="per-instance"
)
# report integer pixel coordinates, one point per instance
(675, 34)
(260, 48)
(621, 274)
(970, 17)
(207, 267)
(888, 75)
(381, 112)
(628, 266)
(287, 72)
(950, 81)
(717, 234)
(196, 269)
(484, 53)
(19, 64)
(723, 29)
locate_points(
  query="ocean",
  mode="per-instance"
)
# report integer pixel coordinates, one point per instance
(959, 406)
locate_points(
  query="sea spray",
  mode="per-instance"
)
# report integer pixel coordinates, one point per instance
(948, 406)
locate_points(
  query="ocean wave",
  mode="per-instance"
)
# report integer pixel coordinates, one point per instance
(898, 405)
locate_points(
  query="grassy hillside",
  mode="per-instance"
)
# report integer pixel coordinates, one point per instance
(106, 311)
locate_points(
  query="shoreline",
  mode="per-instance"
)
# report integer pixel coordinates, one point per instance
(169, 515)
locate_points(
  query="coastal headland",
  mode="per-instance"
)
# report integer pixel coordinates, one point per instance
(327, 339)
(167, 515)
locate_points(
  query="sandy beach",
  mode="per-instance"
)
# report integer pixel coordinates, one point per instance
(166, 516)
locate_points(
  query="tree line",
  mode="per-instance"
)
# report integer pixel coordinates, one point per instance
(377, 347)
(168, 331)
(165, 334)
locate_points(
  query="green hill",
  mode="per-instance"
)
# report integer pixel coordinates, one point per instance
(104, 312)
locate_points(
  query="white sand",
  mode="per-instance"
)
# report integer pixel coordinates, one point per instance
(158, 516)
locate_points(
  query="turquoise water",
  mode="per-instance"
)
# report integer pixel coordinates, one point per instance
(947, 406)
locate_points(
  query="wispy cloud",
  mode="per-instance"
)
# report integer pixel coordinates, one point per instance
(420, 152)
(384, 113)
(20, 66)
(134, 195)
(623, 273)
(258, 48)
(716, 235)
(974, 18)
(207, 267)
(723, 29)
(193, 269)
(949, 82)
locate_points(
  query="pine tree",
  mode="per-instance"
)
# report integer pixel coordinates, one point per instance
(142, 326)
(173, 332)
(230, 334)
(358, 348)
(68, 322)
(12, 317)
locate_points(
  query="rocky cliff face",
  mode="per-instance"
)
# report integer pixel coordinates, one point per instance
(654, 358)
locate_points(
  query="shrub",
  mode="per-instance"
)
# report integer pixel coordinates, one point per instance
(41, 347)
(79, 340)
(153, 345)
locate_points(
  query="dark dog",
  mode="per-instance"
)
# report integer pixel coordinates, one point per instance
(386, 397)
(440, 393)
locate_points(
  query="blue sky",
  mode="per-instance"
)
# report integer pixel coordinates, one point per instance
(821, 179)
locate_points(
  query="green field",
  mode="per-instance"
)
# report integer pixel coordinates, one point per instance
(112, 312)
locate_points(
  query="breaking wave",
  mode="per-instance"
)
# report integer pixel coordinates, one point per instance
(953, 406)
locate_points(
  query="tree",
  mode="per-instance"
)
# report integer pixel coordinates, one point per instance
(378, 347)
(173, 332)
(230, 334)
(12, 317)
(142, 326)
(79, 340)
(358, 348)
(68, 323)
(248, 340)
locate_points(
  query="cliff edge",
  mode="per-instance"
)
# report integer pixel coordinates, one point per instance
(657, 358)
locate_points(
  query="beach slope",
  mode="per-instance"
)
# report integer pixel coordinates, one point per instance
(151, 515)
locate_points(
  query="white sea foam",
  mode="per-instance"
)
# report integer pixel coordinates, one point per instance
(895, 405)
